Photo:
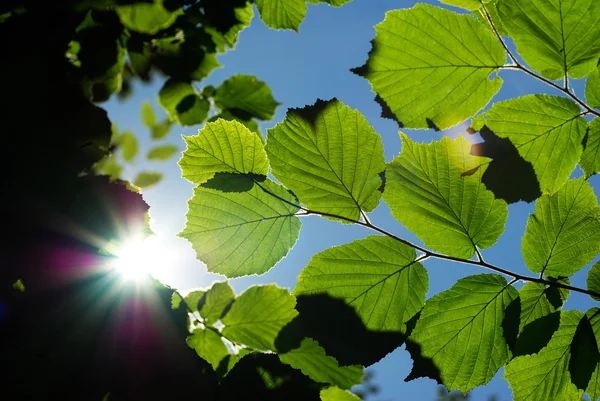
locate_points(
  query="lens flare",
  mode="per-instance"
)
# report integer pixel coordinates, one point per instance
(138, 259)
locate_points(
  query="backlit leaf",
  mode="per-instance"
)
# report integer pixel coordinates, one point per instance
(330, 156)
(244, 94)
(222, 147)
(128, 144)
(217, 298)
(337, 394)
(593, 280)
(563, 233)
(146, 179)
(241, 233)
(312, 360)
(449, 212)
(432, 67)
(546, 130)
(257, 316)
(148, 116)
(590, 158)
(468, 4)
(182, 103)
(161, 129)
(538, 300)
(461, 330)
(282, 14)
(146, 18)
(162, 152)
(376, 275)
(555, 37)
(592, 88)
(208, 345)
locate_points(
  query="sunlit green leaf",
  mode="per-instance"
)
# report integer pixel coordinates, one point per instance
(208, 345)
(337, 394)
(491, 8)
(221, 39)
(257, 316)
(593, 280)
(217, 298)
(146, 179)
(222, 147)
(538, 300)
(590, 158)
(162, 152)
(449, 212)
(431, 67)
(555, 37)
(182, 103)
(242, 233)
(563, 233)
(312, 360)
(146, 17)
(592, 88)
(330, 156)
(128, 144)
(468, 4)
(461, 330)
(148, 116)
(250, 123)
(544, 376)
(377, 275)
(193, 299)
(546, 130)
(244, 94)
(282, 14)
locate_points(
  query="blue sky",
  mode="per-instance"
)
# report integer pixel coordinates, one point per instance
(301, 68)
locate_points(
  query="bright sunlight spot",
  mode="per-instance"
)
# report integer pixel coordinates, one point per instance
(138, 259)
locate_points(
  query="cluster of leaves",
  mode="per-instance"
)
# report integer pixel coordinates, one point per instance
(431, 68)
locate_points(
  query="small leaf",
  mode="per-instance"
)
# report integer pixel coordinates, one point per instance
(377, 275)
(461, 330)
(161, 129)
(282, 14)
(563, 233)
(593, 280)
(246, 95)
(432, 67)
(192, 299)
(333, 393)
(148, 116)
(146, 179)
(222, 147)
(129, 145)
(312, 360)
(214, 302)
(162, 152)
(590, 158)
(147, 18)
(330, 156)
(257, 316)
(208, 345)
(19, 286)
(427, 193)
(243, 233)
(555, 37)
(182, 103)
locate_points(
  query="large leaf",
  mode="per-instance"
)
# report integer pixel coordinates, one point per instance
(162, 152)
(377, 275)
(215, 301)
(431, 67)
(593, 279)
(241, 233)
(311, 359)
(257, 316)
(146, 18)
(449, 212)
(461, 330)
(563, 233)
(222, 147)
(592, 88)
(593, 387)
(468, 4)
(555, 37)
(182, 102)
(544, 376)
(337, 394)
(330, 156)
(244, 94)
(282, 14)
(546, 130)
(590, 158)
(208, 345)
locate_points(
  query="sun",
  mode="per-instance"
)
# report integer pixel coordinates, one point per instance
(138, 259)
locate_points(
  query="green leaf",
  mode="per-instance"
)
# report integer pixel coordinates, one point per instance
(563, 233)
(147, 179)
(148, 18)
(244, 94)
(555, 37)
(330, 156)
(257, 316)
(243, 233)
(282, 14)
(148, 116)
(592, 88)
(161, 130)
(538, 301)
(590, 158)
(491, 6)
(184, 56)
(471, 5)
(19, 286)
(461, 330)
(250, 123)
(449, 212)
(593, 280)
(128, 144)
(208, 345)
(337, 394)
(544, 376)
(162, 152)
(182, 103)
(546, 130)
(376, 275)
(312, 360)
(222, 147)
(217, 298)
(431, 67)
(593, 388)
(193, 299)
